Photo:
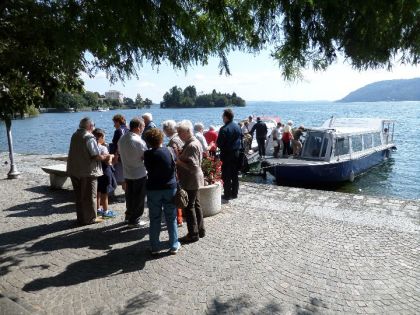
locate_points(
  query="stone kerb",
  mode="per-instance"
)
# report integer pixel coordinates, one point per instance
(210, 199)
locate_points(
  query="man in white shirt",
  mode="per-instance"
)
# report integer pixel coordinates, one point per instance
(131, 148)
(277, 143)
(251, 123)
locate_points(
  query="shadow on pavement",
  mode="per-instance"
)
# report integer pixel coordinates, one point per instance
(52, 202)
(118, 261)
(19, 237)
(101, 238)
(315, 306)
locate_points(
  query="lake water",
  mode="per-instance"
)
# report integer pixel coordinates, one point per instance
(399, 176)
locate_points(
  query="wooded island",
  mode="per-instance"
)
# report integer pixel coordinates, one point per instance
(188, 98)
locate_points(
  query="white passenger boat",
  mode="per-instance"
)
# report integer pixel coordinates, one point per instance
(338, 151)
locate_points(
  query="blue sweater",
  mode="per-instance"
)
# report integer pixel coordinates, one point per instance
(160, 169)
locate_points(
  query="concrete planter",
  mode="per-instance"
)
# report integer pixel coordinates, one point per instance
(210, 199)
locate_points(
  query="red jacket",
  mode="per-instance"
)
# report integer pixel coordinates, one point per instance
(211, 136)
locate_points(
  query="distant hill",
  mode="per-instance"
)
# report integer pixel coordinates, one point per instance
(390, 90)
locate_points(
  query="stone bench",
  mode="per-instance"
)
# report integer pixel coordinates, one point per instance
(58, 176)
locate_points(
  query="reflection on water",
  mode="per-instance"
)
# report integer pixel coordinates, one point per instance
(372, 180)
(369, 182)
(399, 176)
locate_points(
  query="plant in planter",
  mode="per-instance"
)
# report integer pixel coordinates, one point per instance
(210, 193)
(212, 170)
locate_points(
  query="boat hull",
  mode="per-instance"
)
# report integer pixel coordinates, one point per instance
(326, 173)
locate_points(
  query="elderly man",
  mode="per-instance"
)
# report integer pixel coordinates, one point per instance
(131, 148)
(229, 142)
(198, 133)
(148, 123)
(84, 167)
(191, 178)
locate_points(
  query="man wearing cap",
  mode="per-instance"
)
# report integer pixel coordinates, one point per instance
(261, 134)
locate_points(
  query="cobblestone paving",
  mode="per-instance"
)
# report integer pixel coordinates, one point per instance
(273, 250)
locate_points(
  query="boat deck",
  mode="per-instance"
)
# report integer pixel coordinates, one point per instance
(293, 161)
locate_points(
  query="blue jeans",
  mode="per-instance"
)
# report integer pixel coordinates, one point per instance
(158, 200)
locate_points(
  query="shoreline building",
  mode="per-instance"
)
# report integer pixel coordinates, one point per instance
(114, 95)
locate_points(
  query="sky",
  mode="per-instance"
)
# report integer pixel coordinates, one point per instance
(254, 78)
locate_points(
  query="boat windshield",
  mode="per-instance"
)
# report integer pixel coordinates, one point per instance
(315, 145)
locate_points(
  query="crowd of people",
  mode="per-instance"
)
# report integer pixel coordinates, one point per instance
(286, 139)
(151, 172)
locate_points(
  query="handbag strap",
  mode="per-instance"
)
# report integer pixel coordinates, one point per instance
(172, 153)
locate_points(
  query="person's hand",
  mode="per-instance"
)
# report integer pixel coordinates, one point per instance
(176, 150)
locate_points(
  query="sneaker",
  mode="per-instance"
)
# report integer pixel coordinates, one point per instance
(137, 224)
(174, 251)
(109, 214)
(154, 252)
(97, 220)
(100, 212)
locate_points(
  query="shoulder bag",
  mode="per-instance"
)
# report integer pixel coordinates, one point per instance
(181, 197)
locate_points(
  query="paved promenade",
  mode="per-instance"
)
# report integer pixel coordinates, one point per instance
(273, 250)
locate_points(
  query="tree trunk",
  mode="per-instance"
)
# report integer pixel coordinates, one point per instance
(13, 173)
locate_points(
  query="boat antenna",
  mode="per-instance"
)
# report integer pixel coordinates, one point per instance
(331, 122)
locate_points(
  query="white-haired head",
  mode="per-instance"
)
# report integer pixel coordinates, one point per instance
(147, 117)
(198, 127)
(169, 125)
(185, 125)
(86, 123)
(211, 127)
(290, 122)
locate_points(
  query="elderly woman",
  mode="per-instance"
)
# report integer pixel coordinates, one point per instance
(198, 133)
(191, 179)
(120, 130)
(161, 188)
(169, 128)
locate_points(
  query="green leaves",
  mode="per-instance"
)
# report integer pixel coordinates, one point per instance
(43, 42)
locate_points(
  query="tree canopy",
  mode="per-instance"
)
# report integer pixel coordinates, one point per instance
(188, 98)
(43, 43)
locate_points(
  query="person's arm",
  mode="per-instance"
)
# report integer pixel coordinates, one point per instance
(95, 153)
(253, 129)
(221, 139)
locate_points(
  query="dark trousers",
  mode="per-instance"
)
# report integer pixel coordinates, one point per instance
(194, 214)
(230, 174)
(287, 149)
(85, 189)
(135, 194)
(261, 146)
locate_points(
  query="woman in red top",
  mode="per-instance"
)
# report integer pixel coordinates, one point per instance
(287, 138)
(211, 138)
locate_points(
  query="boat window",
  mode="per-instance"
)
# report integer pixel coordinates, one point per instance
(367, 141)
(324, 147)
(377, 139)
(342, 146)
(313, 143)
(356, 143)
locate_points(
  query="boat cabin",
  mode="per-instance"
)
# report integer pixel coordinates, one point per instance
(347, 138)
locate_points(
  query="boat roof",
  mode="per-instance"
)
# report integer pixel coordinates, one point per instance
(353, 125)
